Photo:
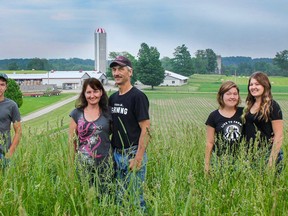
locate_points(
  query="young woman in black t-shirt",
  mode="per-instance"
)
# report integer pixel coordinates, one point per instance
(263, 120)
(224, 126)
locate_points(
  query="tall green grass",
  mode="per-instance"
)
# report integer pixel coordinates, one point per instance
(41, 181)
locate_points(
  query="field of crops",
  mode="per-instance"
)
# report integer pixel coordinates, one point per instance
(40, 181)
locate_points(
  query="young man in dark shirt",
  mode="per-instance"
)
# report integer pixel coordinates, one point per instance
(9, 113)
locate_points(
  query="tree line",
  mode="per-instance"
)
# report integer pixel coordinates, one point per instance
(150, 69)
(47, 64)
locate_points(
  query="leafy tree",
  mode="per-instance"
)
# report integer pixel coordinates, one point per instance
(167, 63)
(38, 64)
(206, 61)
(211, 61)
(13, 92)
(149, 68)
(113, 55)
(182, 62)
(13, 66)
(281, 60)
(245, 69)
(201, 62)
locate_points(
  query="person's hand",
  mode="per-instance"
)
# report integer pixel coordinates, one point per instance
(135, 164)
(270, 162)
(8, 155)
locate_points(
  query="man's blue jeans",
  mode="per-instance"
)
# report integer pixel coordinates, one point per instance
(129, 183)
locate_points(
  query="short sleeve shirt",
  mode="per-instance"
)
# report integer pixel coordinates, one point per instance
(93, 136)
(253, 124)
(9, 113)
(127, 111)
(228, 131)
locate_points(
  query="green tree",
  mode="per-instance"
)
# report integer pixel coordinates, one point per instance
(281, 60)
(13, 92)
(149, 68)
(167, 63)
(211, 61)
(113, 55)
(182, 61)
(206, 61)
(38, 64)
(13, 66)
(201, 62)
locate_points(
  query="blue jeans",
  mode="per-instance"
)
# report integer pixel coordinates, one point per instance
(3, 161)
(129, 182)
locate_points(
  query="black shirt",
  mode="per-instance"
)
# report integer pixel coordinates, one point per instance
(265, 130)
(228, 131)
(127, 111)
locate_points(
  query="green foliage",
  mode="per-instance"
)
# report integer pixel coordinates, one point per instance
(205, 61)
(167, 63)
(113, 55)
(13, 92)
(44, 64)
(211, 61)
(182, 62)
(13, 66)
(281, 60)
(38, 64)
(149, 68)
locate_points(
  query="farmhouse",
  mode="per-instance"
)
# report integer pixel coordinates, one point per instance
(173, 79)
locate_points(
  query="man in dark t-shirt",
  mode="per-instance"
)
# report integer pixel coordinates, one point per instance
(9, 113)
(130, 134)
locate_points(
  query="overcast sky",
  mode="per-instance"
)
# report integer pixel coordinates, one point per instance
(65, 28)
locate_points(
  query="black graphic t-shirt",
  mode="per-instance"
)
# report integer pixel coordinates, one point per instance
(93, 136)
(253, 126)
(127, 111)
(228, 131)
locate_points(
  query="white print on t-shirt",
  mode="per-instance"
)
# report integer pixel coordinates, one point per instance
(231, 130)
(120, 110)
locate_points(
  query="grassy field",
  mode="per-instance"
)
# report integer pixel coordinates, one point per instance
(31, 104)
(40, 181)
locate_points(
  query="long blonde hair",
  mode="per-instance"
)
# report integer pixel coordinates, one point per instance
(266, 97)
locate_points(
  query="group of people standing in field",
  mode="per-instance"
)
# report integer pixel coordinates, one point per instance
(108, 137)
(258, 126)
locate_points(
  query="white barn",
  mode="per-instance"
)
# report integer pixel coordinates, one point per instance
(174, 79)
(65, 79)
(98, 75)
(62, 79)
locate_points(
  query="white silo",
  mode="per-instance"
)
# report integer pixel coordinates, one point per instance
(100, 50)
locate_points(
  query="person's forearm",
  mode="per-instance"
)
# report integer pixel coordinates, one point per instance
(208, 153)
(15, 143)
(277, 143)
(142, 146)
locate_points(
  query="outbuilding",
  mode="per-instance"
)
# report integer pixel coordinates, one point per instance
(174, 79)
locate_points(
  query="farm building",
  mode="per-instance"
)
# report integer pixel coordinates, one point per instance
(62, 79)
(173, 79)
(27, 79)
(98, 75)
(65, 79)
